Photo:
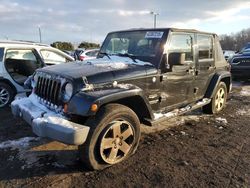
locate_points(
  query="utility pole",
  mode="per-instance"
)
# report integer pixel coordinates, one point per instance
(40, 34)
(155, 14)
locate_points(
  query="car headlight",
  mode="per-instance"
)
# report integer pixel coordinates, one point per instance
(68, 92)
(34, 80)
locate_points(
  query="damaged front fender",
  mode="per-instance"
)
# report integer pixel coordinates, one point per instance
(81, 103)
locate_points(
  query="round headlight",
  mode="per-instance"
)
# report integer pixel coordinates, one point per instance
(68, 92)
(34, 80)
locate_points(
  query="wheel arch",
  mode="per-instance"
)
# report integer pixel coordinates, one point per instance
(217, 78)
(138, 105)
(3, 80)
(134, 100)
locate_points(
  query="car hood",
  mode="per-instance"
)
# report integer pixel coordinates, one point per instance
(244, 54)
(102, 70)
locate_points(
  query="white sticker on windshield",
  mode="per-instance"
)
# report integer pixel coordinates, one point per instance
(154, 34)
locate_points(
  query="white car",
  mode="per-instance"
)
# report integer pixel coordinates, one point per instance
(19, 60)
(88, 54)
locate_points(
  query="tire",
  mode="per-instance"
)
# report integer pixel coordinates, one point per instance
(218, 101)
(6, 94)
(114, 136)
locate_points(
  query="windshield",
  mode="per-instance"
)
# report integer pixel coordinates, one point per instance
(142, 45)
(246, 50)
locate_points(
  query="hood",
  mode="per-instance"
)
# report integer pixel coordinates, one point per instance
(101, 70)
(242, 54)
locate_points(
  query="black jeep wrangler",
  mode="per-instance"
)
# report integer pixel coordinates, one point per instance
(140, 76)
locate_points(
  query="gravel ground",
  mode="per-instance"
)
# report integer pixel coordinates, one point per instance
(194, 150)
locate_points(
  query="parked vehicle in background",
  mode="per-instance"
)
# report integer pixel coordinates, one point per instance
(228, 54)
(247, 46)
(240, 65)
(19, 60)
(139, 76)
(87, 54)
(71, 53)
(78, 52)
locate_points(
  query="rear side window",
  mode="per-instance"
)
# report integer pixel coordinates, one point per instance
(205, 46)
(1, 54)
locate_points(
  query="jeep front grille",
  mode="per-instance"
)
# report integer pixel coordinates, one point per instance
(48, 89)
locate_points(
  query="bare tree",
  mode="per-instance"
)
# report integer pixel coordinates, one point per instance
(235, 41)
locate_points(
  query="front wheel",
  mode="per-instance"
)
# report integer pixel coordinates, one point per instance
(218, 101)
(114, 136)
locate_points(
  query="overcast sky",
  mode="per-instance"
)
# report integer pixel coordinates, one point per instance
(76, 21)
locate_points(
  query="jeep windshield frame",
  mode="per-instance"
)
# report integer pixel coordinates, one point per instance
(144, 45)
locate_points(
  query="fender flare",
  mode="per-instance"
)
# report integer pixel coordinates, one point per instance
(81, 103)
(6, 81)
(215, 82)
(128, 95)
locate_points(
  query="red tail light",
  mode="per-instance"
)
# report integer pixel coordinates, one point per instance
(82, 58)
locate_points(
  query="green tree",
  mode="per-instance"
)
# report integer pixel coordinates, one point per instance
(88, 45)
(63, 45)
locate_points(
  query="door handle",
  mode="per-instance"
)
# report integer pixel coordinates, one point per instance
(191, 71)
(164, 77)
(211, 68)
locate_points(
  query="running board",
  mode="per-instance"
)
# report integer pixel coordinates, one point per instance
(160, 117)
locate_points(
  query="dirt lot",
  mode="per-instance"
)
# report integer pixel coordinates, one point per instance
(195, 150)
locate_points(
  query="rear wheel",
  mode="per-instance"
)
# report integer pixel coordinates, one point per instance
(6, 94)
(218, 101)
(114, 136)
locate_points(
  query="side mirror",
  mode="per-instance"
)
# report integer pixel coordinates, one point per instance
(176, 58)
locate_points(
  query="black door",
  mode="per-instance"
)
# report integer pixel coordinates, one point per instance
(205, 67)
(178, 76)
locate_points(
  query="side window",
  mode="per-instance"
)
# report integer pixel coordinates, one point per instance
(21, 63)
(182, 43)
(21, 55)
(1, 54)
(205, 46)
(52, 58)
(92, 53)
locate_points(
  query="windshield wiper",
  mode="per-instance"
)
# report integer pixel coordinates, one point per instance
(105, 54)
(127, 55)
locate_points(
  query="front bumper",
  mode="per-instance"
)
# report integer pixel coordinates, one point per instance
(46, 123)
(240, 72)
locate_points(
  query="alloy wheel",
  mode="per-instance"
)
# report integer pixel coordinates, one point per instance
(4, 96)
(117, 141)
(220, 99)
